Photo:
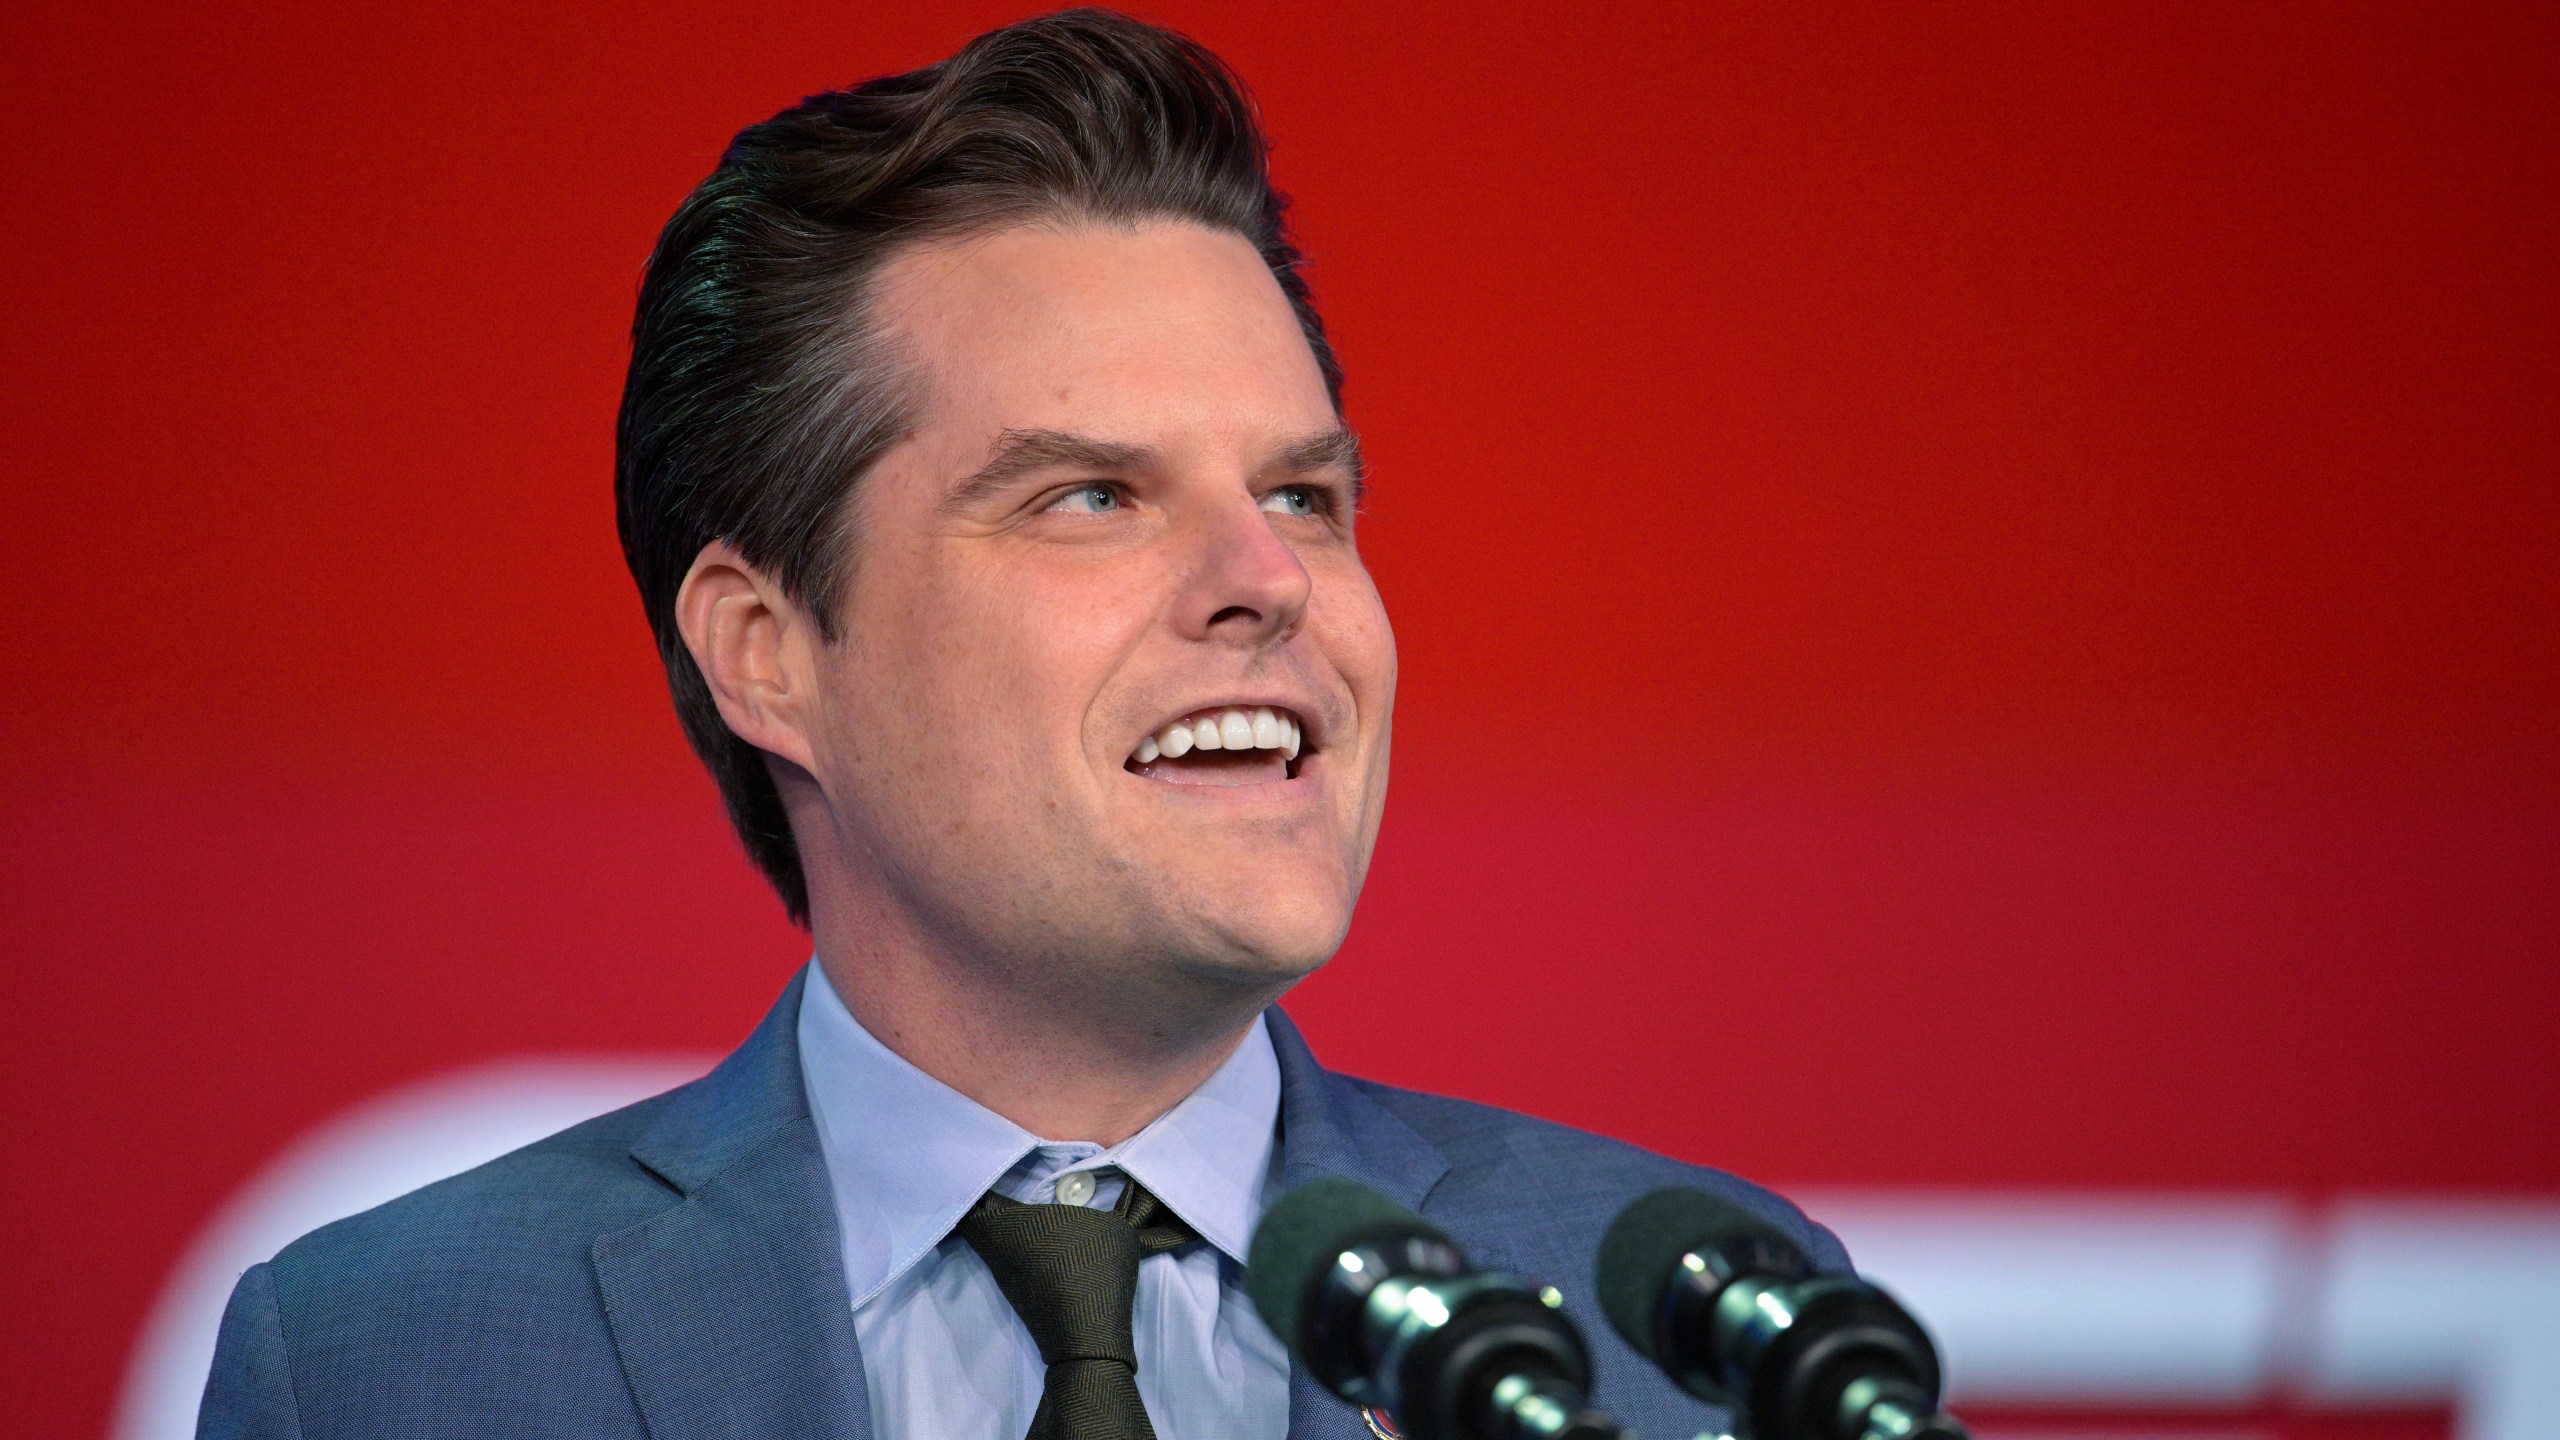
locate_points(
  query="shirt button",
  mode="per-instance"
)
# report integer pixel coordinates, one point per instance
(1075, 1187)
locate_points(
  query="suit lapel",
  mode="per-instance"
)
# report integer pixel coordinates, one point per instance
(729, 1308)
(1330, 1128)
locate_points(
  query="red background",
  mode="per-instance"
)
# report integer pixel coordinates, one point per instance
(1979, 588)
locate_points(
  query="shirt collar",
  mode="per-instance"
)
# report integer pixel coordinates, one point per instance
(908, 1155)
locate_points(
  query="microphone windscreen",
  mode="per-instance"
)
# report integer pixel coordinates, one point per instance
(1642, 1251)
(1302, 1235)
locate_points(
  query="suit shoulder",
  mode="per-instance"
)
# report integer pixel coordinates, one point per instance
(525, 1218)
(1531, 1175)
(444, 1311)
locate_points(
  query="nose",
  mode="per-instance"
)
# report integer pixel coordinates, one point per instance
(1245, 585)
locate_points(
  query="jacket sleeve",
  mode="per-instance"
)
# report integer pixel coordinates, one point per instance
(1829, 1256)
(249, 1396)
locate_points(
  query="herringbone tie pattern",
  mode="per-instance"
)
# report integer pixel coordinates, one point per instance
(1071, 1273)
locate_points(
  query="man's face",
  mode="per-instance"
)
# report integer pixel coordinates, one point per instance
(1125, 509)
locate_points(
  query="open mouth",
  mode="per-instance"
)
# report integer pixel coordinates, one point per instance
(1229, 745)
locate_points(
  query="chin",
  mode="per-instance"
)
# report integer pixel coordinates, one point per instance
(1277, 942)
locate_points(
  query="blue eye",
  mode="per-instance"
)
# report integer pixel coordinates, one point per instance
(1295, 500)
(1088, 500)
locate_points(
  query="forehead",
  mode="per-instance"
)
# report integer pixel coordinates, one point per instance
(1142, 332)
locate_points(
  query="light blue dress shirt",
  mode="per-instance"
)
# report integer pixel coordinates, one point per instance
(945, 1356)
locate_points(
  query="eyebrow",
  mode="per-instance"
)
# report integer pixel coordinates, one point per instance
(1021, 452)
(1335, 449)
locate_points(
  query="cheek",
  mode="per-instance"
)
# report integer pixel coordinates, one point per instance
(1017, 656)
(1363, 644)
(1383, 655)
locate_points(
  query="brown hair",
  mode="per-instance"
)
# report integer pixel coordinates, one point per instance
(758, 393)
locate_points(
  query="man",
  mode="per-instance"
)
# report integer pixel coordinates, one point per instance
(984, 478)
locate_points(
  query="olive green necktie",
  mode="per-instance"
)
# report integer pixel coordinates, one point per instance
(1071, 1273)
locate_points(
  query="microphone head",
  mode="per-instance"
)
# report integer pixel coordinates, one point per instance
(1640, 1256)
(1301, 1236)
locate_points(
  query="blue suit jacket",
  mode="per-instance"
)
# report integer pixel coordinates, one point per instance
(670, 1270)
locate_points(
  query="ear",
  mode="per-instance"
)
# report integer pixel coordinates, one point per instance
(755, 648)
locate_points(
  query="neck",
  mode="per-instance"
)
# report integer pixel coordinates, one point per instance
(1099, 1073)
(1067, 1047)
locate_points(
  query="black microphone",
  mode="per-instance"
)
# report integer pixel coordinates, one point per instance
(1731, 1310)
(1384, 1309)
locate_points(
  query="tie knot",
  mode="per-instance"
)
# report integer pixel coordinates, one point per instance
(1071, 1273)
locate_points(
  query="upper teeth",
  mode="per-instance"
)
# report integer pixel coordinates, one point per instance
(1234, 728)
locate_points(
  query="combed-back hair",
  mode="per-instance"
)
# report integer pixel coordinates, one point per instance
(760, 392)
